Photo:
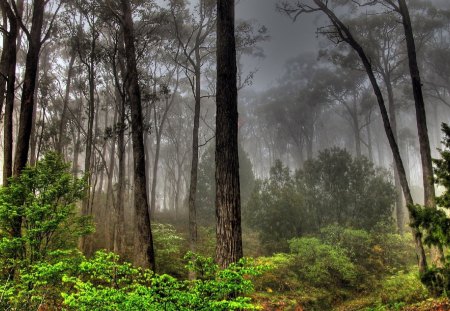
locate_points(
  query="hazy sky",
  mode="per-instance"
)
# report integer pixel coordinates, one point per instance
(288, 39)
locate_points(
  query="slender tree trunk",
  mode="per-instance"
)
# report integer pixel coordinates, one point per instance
(10, 49)
(194, 162)
(399, 208)
(437, 255)
(120, 215)
(228, 199)
(155, 173)
(144, 243)
(369, 140)
(63, 120)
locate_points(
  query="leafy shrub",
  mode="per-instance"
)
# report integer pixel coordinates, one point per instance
(403, 288)
(321, 264)
(168, 249)
(38, 213)
(103, 283)
(375, 253)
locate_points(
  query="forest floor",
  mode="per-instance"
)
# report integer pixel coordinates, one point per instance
(290, 303)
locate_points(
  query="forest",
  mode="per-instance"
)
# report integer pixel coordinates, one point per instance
(224, 155)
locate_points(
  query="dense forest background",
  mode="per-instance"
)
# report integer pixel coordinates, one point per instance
(155, 159)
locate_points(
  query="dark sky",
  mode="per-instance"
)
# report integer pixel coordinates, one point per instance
(288, 39)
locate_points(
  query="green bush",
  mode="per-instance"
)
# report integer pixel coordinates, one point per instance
(38, 213)
(103, 283)
(168, 249)
(321, 264)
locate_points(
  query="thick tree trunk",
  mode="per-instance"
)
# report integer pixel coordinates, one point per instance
(424, 142)
(10, 49)
(144, 243)
(29, 85)
(422, 261)
(228, 200)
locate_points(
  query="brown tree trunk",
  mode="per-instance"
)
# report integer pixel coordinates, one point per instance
(348, 37)
(424, 141)
(29, 85)
(144, 240)
(4, 59)
(10, 49)
(228, 200)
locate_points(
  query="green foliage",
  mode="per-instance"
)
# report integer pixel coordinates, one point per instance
(103, 283)
(168, 249)
(275, 209)
(38, 213)
(333, 189)
(375, 253)
(321, 264)
(434, 223)
(345, 191)
(403, 288)
(40, 282)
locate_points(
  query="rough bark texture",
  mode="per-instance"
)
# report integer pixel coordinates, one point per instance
(144, 241)
(11, 50)
(4, 59)
(424, 141)
(29, 85)
(228, 205)
(348, 38)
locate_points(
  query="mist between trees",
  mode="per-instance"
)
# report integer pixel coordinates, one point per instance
(135, 127)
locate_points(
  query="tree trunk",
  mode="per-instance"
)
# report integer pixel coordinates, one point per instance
(63, 121)
(194, 162)
(29, 85)
(228, 200)
(4, 59)
(10, 49)
(424, 142)
(119, 231)
(144, 243)
(399, 208)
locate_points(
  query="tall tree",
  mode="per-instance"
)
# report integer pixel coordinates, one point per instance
(10, 52)
(195, 48)
(35, 42)
(228, 199)
(144, 243)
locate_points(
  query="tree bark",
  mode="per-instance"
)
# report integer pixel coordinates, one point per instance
(144, 243)
(228, 201)
(29, 85)
(437, 255)
(10, 49)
